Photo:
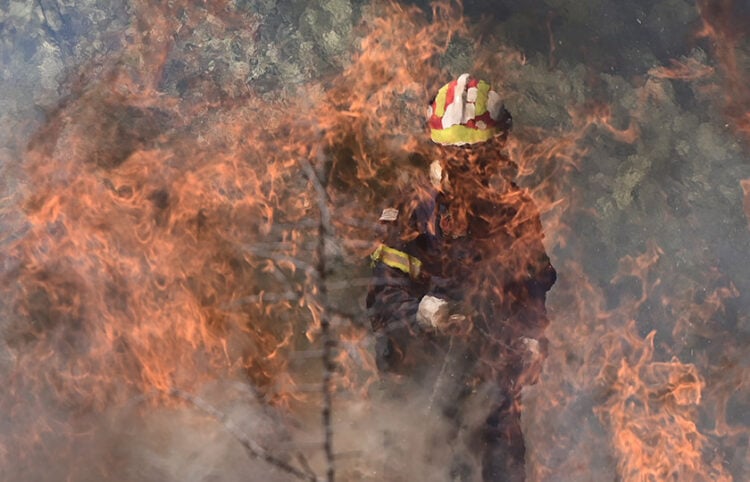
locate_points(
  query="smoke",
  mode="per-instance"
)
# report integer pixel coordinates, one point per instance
(159, 235)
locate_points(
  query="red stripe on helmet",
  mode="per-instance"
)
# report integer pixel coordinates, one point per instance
(435, 122)
(487, 119)
(451, 93)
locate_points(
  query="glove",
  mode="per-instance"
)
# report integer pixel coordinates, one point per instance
(433, 313)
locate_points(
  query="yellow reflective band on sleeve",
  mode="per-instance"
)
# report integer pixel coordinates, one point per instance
(397, 259)
(483, 90)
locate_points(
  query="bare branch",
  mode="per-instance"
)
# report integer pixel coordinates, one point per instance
(324, 230)
(440, 380)
(281, 258)
(250, 445)
(322, 195)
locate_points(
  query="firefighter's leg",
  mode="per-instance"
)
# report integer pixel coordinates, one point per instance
(504, 448)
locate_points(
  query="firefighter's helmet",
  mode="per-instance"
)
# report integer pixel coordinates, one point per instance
(467, 111)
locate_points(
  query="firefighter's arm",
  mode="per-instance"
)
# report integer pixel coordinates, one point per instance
(392, 303)
(436, 313)
(433, 310)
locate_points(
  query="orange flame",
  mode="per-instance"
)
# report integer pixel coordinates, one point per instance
(168, 244)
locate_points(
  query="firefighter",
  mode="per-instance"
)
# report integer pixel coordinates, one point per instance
(460, 278)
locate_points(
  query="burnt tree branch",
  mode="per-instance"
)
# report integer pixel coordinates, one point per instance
(250, 445)
(324, 231)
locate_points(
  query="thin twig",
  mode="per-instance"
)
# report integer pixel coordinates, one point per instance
(320, 190)
(250, 445)
(440, 378)
(265, 298)
(281, 258)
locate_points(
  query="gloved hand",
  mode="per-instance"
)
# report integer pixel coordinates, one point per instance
(432, 313)
(437, 314)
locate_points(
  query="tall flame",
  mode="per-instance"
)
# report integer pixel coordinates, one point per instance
(172, 241)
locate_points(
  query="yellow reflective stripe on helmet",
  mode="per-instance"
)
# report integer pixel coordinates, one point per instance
(440, 100)
(460, 134)
(483, 90)
(397, 259)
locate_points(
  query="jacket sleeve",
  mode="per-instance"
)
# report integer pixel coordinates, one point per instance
(392, 303)
(393, 297)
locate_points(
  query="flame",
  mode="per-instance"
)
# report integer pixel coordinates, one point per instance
(688, 69)
(649, 394)
(724, 26)
(165, 243)
(171, 242)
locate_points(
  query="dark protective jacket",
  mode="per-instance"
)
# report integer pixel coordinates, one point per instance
(479, 239)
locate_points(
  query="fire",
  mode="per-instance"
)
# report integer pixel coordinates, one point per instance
(161, 253)
(172, 243)
(688, 69)
(649, 394)
(724, 26)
